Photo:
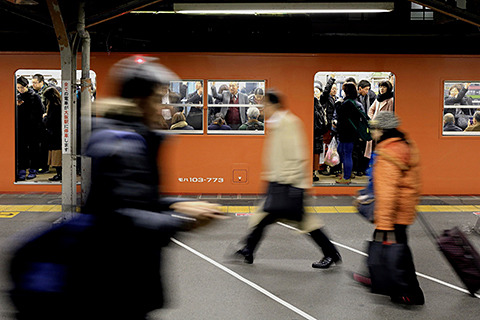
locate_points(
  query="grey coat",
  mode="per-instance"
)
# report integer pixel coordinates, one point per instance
(225, 99)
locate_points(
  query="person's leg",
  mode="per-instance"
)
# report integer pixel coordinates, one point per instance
(254, 237)
(347, 160)
(331, 254)
(341, 151)
(413, 294)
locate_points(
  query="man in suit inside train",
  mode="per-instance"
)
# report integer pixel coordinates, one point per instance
(234, 116)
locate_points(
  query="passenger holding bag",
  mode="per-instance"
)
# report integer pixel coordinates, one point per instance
(285, 162)
(396, 184)
(284, 201)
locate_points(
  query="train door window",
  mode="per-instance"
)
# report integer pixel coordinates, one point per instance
(38, 130)
(183, 110)
(236, 107)
(461, 108)
(375, 93)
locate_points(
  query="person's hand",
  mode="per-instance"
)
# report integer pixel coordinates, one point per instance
(467, 85)
(203, 212)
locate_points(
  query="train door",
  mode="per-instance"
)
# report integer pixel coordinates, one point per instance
(328, 168)
(38, 132)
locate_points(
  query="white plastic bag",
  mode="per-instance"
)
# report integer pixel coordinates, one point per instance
(332, 157)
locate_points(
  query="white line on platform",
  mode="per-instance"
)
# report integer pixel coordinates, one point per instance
(366, 255)
(246, 281)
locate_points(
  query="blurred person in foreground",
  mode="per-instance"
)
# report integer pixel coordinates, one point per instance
(285, 162)
(113, 271)
(396, 186)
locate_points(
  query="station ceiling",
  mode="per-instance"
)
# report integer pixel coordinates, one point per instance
(452, 27)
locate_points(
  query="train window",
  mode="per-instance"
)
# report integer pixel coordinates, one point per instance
(461, 108)
(38, 142)
(375, 93)
(183, 112)
(236, 107)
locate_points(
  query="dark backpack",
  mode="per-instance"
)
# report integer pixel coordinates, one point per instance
(361, 124)
(42, 268)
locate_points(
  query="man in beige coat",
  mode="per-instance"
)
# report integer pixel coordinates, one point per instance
(285, 161)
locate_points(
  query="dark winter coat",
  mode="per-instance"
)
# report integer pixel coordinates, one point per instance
(320, 126)
(29, 114)
(124, 195)
(450, 126)
(346, 114)
(53, 124)
(327, 101)
(252, 124)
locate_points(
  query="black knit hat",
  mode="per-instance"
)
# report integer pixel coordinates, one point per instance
(23, 81)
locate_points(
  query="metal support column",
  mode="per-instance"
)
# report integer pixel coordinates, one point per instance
(68, 60)
(86, 99)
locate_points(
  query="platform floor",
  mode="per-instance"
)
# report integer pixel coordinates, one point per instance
(203, 282)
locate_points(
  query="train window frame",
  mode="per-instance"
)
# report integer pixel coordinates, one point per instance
(249, 85)
(473, 96)
(49, 74)
(320, 80)
(184, 105)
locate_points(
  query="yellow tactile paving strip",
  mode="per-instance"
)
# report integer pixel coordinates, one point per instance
(351, 209)
(9, 211)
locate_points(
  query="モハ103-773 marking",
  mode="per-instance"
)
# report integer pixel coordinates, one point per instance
(201, 180)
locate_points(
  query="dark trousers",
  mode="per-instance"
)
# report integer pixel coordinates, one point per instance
(345, 152)
(253, 239)
(360, 163)
(28, 154)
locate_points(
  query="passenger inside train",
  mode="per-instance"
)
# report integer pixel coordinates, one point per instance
(371, 87)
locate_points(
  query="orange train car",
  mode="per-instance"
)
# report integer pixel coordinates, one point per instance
(207, 163)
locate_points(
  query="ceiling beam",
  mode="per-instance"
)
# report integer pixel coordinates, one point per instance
(26, 12)
(449, 10)
(119, 11)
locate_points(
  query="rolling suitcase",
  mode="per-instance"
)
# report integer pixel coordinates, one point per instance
(461, 254)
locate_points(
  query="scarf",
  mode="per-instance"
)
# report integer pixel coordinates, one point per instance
(384, 96)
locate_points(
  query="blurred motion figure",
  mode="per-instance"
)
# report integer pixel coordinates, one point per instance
(396, 185)
(285, 162)
(108, 262)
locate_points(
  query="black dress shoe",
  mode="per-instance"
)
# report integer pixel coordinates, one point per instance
(247, 257)
(326, 262)
(55, 178)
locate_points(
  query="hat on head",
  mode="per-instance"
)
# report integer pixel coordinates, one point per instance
(138, 76)
(385, 120)
(23, 81)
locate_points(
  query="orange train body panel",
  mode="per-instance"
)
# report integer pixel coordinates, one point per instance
(191, 163)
